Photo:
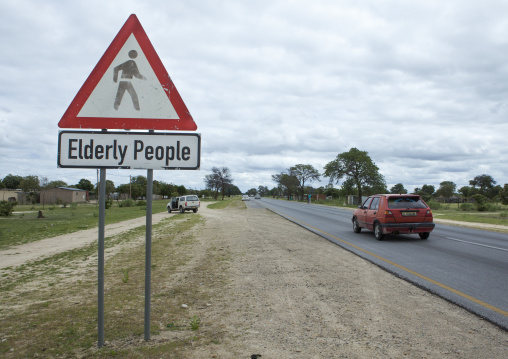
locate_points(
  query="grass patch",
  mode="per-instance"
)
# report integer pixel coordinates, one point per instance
(467, 213)
(50, 306)
(25, 227)
(228, 203)
(472, 217)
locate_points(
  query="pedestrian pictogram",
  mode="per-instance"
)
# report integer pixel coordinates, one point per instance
(129, 89)
(128, 70)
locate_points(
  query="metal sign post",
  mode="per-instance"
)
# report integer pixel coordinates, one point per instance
(155, 104)
(100, 285)
(148, 251)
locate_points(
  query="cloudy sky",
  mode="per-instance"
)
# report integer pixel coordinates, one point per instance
(420, 85)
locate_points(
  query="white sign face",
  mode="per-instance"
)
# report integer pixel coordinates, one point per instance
(135, 150)
(129, 89)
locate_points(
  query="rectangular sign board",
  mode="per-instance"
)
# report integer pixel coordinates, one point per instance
(133, 150)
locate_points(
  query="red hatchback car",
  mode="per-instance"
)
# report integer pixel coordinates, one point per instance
(395, 214)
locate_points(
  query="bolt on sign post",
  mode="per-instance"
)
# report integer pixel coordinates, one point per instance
(129, 89)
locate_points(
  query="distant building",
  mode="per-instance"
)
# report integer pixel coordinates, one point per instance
(65, 194)
(12, 195)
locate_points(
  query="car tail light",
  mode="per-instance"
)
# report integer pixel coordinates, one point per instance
(428, 215)
(185, 204)
(389, 216)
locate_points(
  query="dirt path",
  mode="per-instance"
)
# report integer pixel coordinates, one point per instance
(294, 294)
(21, 254)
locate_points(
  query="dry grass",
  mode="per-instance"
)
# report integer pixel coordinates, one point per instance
(49, 308)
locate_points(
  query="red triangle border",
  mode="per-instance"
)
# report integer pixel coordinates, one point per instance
(70, 118)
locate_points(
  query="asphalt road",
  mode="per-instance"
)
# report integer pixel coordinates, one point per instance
(465, 266)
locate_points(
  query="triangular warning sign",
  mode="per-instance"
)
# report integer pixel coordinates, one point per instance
(129, 88)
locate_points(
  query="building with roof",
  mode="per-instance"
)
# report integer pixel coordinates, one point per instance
(65, 194)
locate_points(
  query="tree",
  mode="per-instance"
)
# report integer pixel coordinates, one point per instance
(427, 191)
(493, 192)
(356, 166)
(234, 190)
(110, 187)
(347, 187)
(480, 202)
(56, 184)
(483, 183)
(252, 192)
(123, 189)
(165, 189)
(30, 185)
(398, 189)
(205, 193)
(332, 192)
(181, 190)
(11, 181)
(85, 184)
(466, 192)
(263, 191)
(503, 194)
(43, 182)
(212, 183)
(225, 179)
(220, 179)
(142, 182)
(137, 190)
(446, 189)
(304, 173)
(287, 183)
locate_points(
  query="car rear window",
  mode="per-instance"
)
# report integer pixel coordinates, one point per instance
(192, 198)
(405, 202)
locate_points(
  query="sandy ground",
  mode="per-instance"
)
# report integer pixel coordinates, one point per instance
(293, 294)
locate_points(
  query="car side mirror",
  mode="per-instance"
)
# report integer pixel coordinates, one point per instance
(360, 206)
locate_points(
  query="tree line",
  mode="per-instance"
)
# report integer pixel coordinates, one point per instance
(357, 173)
(220, 181)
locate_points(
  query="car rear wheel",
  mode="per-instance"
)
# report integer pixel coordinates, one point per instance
(378, 232)
(181, 210)
(194, 210)
(356, 227)
(424, 235)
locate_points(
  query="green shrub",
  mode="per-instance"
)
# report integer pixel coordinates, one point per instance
(467, 207)
(141, 203)
(74, 205)
(108, 203)
(434, 205)
(492, 207)
(126, 203)
(6, 208)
